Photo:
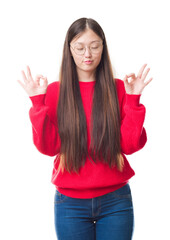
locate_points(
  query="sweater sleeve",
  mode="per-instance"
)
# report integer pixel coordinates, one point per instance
(44, 128)
(133, 134)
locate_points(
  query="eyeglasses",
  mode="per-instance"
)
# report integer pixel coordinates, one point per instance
(94, 47)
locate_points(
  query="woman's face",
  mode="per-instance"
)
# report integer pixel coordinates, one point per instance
(86, 50)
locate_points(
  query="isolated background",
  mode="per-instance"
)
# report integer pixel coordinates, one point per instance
(32, 33)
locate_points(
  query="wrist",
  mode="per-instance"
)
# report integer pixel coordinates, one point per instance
(133, 99)
(133, 92)
(38, 100)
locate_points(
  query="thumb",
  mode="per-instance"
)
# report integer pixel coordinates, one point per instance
(125, 79)
(45, 82)
(37, 78)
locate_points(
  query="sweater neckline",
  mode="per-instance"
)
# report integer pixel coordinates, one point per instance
(83, 84)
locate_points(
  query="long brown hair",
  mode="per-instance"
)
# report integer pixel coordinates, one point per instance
(105, 130)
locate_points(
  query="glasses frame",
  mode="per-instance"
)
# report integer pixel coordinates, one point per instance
(101, 44)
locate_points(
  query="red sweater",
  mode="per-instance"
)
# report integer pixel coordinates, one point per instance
(94, 179)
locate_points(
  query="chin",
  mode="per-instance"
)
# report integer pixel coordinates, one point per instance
(91, 67)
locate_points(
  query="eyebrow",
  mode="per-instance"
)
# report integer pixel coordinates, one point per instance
(90, 42)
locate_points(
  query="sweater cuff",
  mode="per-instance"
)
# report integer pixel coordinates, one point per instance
(133, 100)
(38, 100)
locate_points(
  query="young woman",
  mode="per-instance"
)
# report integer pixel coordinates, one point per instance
(89, 120)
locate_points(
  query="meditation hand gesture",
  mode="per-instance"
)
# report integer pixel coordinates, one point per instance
(137, 84)
(33, 87)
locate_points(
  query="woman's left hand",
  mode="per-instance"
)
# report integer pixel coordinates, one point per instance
(137, 83)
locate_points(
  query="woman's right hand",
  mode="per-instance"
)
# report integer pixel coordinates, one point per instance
(33, 87)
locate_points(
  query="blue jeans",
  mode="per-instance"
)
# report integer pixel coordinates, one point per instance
(109, 217)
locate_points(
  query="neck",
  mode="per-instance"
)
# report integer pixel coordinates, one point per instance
(86, 76)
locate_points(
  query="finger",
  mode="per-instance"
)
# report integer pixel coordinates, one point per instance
(132, 76)
(146, 83)
(45, 83)
(24, 77)
(145, 74)
(37, 78)
(125, 79)
(29, 74)
(141, 70)
(21, 83)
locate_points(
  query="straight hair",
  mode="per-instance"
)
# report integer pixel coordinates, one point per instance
(71, 120)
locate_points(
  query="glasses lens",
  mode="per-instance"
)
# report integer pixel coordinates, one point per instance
(95, 47)
(79, 49)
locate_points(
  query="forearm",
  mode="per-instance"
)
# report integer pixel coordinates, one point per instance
(45, 132)
(133, 134)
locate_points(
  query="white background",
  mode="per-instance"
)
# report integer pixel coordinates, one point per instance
(32, 33)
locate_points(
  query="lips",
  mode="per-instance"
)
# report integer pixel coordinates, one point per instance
(88, 62)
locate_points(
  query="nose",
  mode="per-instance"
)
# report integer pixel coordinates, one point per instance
(87, 52)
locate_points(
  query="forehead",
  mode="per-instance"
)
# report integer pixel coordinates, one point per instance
(86, 37)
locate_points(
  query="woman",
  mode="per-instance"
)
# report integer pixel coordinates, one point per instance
(89, 120)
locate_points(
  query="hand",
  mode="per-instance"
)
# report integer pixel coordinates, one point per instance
(137, 84)
(33, 87)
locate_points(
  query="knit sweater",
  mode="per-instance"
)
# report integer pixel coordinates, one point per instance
(94, 178)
